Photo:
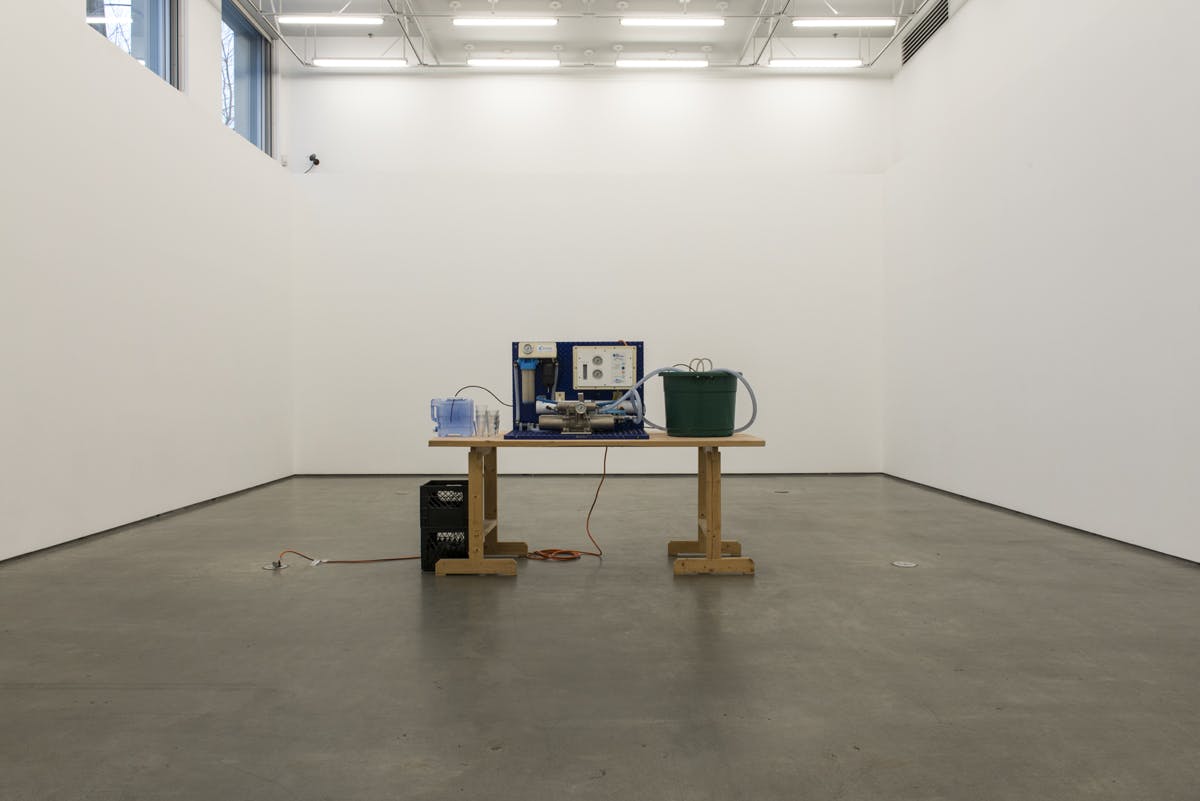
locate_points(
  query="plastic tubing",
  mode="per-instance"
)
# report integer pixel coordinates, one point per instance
(635, 397)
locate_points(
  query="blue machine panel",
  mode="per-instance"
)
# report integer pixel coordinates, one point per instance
(567, 373)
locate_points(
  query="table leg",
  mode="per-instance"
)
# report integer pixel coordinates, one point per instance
(477, 523)
(492, 545)
(699, 545)
(713, 560)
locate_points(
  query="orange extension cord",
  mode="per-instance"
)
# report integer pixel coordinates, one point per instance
(566, 554)
(543, 555)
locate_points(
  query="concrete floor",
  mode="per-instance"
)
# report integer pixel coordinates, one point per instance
(1018, 661)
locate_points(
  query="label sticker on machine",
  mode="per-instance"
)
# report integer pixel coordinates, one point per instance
(537, 350)
(604, 366)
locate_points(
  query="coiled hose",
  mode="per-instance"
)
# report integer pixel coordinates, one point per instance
(634, 397)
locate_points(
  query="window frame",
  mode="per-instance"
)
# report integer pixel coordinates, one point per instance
(256, 22)
(174, 45)
(171, 34)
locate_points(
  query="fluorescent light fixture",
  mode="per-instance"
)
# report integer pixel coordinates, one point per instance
(817, 63)
(672, 22)
(505, 22)
(329, 19)
(512, 62)
(843, 22)
(368, 63)
(661, 63)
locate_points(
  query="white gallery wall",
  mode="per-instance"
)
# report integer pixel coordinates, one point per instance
(728, 217)
(144, 292)
(1043, 297)
(977, 276)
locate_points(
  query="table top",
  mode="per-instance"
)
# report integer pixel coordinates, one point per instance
(658, 439)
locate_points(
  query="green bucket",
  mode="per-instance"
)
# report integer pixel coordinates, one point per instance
(700, 404)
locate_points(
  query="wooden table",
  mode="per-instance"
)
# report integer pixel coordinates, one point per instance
(483, 536)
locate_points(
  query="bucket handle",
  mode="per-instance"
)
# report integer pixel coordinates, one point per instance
(735, 373)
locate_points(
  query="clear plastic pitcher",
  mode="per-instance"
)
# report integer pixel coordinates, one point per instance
(453, 417)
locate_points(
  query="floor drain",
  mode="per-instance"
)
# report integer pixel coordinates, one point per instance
(904, 564)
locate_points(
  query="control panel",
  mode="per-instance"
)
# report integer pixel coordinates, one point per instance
(604, 366)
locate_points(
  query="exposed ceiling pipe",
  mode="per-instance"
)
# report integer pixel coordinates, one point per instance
(762, 15)
(421, 31)
(753, 30)
(771, 33)
(273, 26)
(404, 32)
(559, 15)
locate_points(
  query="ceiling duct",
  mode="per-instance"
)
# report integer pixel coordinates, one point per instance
(916, 39)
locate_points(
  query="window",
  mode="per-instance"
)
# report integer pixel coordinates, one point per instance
(145, 29)
(245, 71)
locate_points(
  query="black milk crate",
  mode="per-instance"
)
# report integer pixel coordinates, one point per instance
(437, 545)
(444, 505)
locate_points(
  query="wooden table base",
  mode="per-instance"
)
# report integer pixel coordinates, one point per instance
(483, 526)
(719, 556)
(713, 555)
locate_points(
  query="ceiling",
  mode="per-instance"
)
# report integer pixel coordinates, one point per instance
(589, 33)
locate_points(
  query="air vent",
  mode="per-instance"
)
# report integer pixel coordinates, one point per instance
(919, 35)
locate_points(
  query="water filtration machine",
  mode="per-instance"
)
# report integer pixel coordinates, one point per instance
(567, 390)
